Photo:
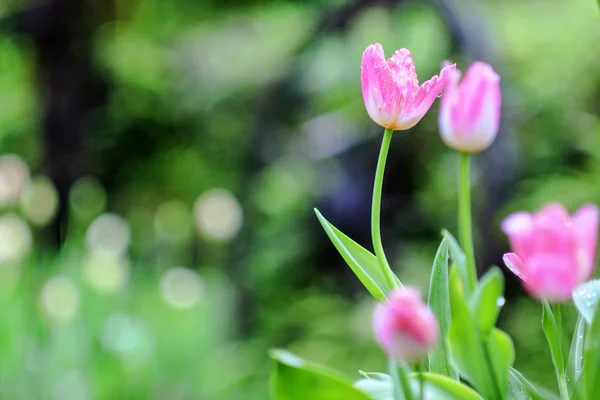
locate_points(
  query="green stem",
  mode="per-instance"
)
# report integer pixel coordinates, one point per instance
(464, 218)
(420, 369)
(376, 211)
(400, 378)
(561, 376)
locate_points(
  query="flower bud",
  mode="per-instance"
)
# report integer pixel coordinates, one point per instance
(391, 90)
(470, 110)
(404, 326)
(552, 251)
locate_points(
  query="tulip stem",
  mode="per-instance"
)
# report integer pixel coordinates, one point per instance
(376, 211)
(464, 218)
(420, 369)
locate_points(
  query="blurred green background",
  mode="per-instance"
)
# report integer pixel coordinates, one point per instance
(160, 161)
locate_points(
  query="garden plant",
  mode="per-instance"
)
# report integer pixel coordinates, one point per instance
(449, 347)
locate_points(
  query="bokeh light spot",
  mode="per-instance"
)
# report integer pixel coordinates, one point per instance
(181, 287)
(218, 214)
(105, 271)
(14, 175)
(60, 298)
(108, 233)
(39, 201)
(15, 239)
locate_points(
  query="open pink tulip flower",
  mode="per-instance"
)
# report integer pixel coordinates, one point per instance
(470, 110)
(391, 90)
(404, 327)
(552, 251)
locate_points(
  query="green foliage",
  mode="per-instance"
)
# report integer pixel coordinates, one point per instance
(439, 302)
(295, 379)
(435, 386)
(550, 326)
(482, 353)
(591, 365)
(361, 261)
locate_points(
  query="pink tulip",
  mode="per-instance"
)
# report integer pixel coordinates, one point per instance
(470, 111)
(404, 327)
(553, 252)
(391, 89)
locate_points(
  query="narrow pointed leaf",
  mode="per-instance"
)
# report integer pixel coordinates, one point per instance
(439, 302)
(362, 262)
(575, 363)
(553, 337)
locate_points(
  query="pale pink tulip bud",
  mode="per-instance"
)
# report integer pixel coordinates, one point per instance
(470, 110)
(391, 90)
(404, 327)
(552, 251)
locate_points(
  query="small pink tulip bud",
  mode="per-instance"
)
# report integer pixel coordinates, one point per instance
(391, 90)
(404, 327)
(470, 110)
(552, 251)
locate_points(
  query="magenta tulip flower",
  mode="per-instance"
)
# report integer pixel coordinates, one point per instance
(404, 326)
(391, 90)
(552, 251)
(470, 110)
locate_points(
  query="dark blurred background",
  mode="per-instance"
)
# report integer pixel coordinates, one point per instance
(160, 161)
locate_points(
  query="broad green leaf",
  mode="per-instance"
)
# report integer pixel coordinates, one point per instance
(441, 387)
(364, 264)
(502, 355)
(591, 364)
(377, 385)
(586, 298)
(439, 302)
(487, 300)
(295, 379)
(575, 363)
(465, 344)
(521, 389)
(468, 278)
(549, 324)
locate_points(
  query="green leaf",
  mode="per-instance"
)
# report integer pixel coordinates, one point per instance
(441, 387)
(575, 363)
(439, 302)
(553, 337)
(362, 262)
(502, 356)
(377, 385)
(521, 389)
(591, 364)
(487, 300)
(586, 298)
(465, 343)
(295, 379)
(458, 256)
